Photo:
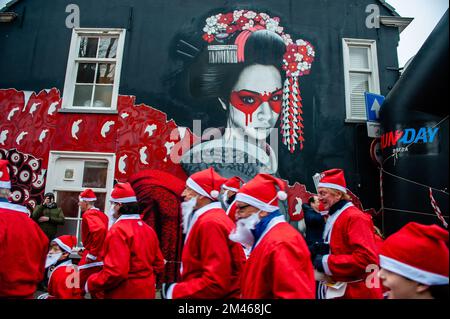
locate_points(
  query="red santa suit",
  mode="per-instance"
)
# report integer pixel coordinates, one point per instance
(131, 260)
(211, 263)
(23, 252)
(279, 265)
(94, 227)
(352, 248)
(63, 283)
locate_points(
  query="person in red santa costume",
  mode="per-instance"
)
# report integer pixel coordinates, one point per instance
(349, 247)
(228, 195)
(414, 263)
(64, 280)
(132, 257)
(24, 245)
(279, 265)
(94, 226)
(211, 263)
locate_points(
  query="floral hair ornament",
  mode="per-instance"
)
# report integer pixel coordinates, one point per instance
(297, 61)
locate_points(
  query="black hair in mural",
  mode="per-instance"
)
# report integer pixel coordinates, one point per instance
(214, 80)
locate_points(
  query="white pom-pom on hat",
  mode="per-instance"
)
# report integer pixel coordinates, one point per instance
(214, 193)
(281, 195)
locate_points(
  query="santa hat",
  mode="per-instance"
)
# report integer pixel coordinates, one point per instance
(262, 191)
(123, 193)
(206, 183)
(66, 242)
(5, 181)
(333, 178)
(418, 252)
(87, 196)
(233, 184)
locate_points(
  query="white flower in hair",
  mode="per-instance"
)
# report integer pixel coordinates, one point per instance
(301, 42)
(237, 14)
(263, 15)
(280, 30)
(211, 21)
(248, 25)
(209, 29)
(287, 39)
(272, 25)
(250, 14)
(298, 56)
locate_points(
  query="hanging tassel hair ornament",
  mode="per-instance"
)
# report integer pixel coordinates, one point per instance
(297, 61)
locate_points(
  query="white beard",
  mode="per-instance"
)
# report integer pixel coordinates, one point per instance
(187, 209)
(111, 219)
(52, 259)
(242, 233)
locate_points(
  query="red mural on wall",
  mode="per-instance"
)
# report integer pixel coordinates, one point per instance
(139, 135)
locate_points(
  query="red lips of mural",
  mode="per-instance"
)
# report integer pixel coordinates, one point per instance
(391, 138)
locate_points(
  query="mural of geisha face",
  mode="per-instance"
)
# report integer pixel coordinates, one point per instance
(251, 67)
(255, 102)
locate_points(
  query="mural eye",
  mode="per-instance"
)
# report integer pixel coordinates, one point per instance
(276, 98)
(248, 100)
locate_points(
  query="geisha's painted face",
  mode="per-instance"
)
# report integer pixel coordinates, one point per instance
(255, 101)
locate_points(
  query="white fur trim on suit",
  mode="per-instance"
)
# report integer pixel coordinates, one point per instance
(130, 216)
(91, 265)
(91, 257)
(197, 188)
(334, 186)
(413, 273)
(15, 207)
(325, 265)
(256, 202)
(169, 294)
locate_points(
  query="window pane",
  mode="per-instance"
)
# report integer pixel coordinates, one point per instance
(95, 174)
(88, 47)
(69, 228)
(359, 83)
(108, 47)
(100, 202)
(359, 58)
(105, 73)
(82, 95)
(68, 201)
(103, 95)
(86, 72)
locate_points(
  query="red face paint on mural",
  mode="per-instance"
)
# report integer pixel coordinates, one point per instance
(248, 102)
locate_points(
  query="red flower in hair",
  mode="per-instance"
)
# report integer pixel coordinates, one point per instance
(242, 21)
(208, 37)
(292, 48)
(302, 50)
(290, 57)
(231, 29)
(292, 67)
(226, 18)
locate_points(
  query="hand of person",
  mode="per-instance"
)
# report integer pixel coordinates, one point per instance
(43, 219)
(317, 263)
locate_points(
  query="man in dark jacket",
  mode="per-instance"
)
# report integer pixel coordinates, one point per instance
(48, 216)
(314, 221)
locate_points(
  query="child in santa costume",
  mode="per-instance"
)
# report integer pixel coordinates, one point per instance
(414, 263)
(349, 248)
(132, 257)
(279, 265)
(23, 248)
(64, 282)
(211, 263)
(94, 226)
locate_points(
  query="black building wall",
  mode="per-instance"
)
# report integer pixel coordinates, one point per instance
(34, 51)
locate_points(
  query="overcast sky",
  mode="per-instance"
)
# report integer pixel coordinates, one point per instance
(426, 14)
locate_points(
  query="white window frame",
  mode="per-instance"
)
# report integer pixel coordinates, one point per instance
(374, 79)
(51, 184)
(71, 70)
